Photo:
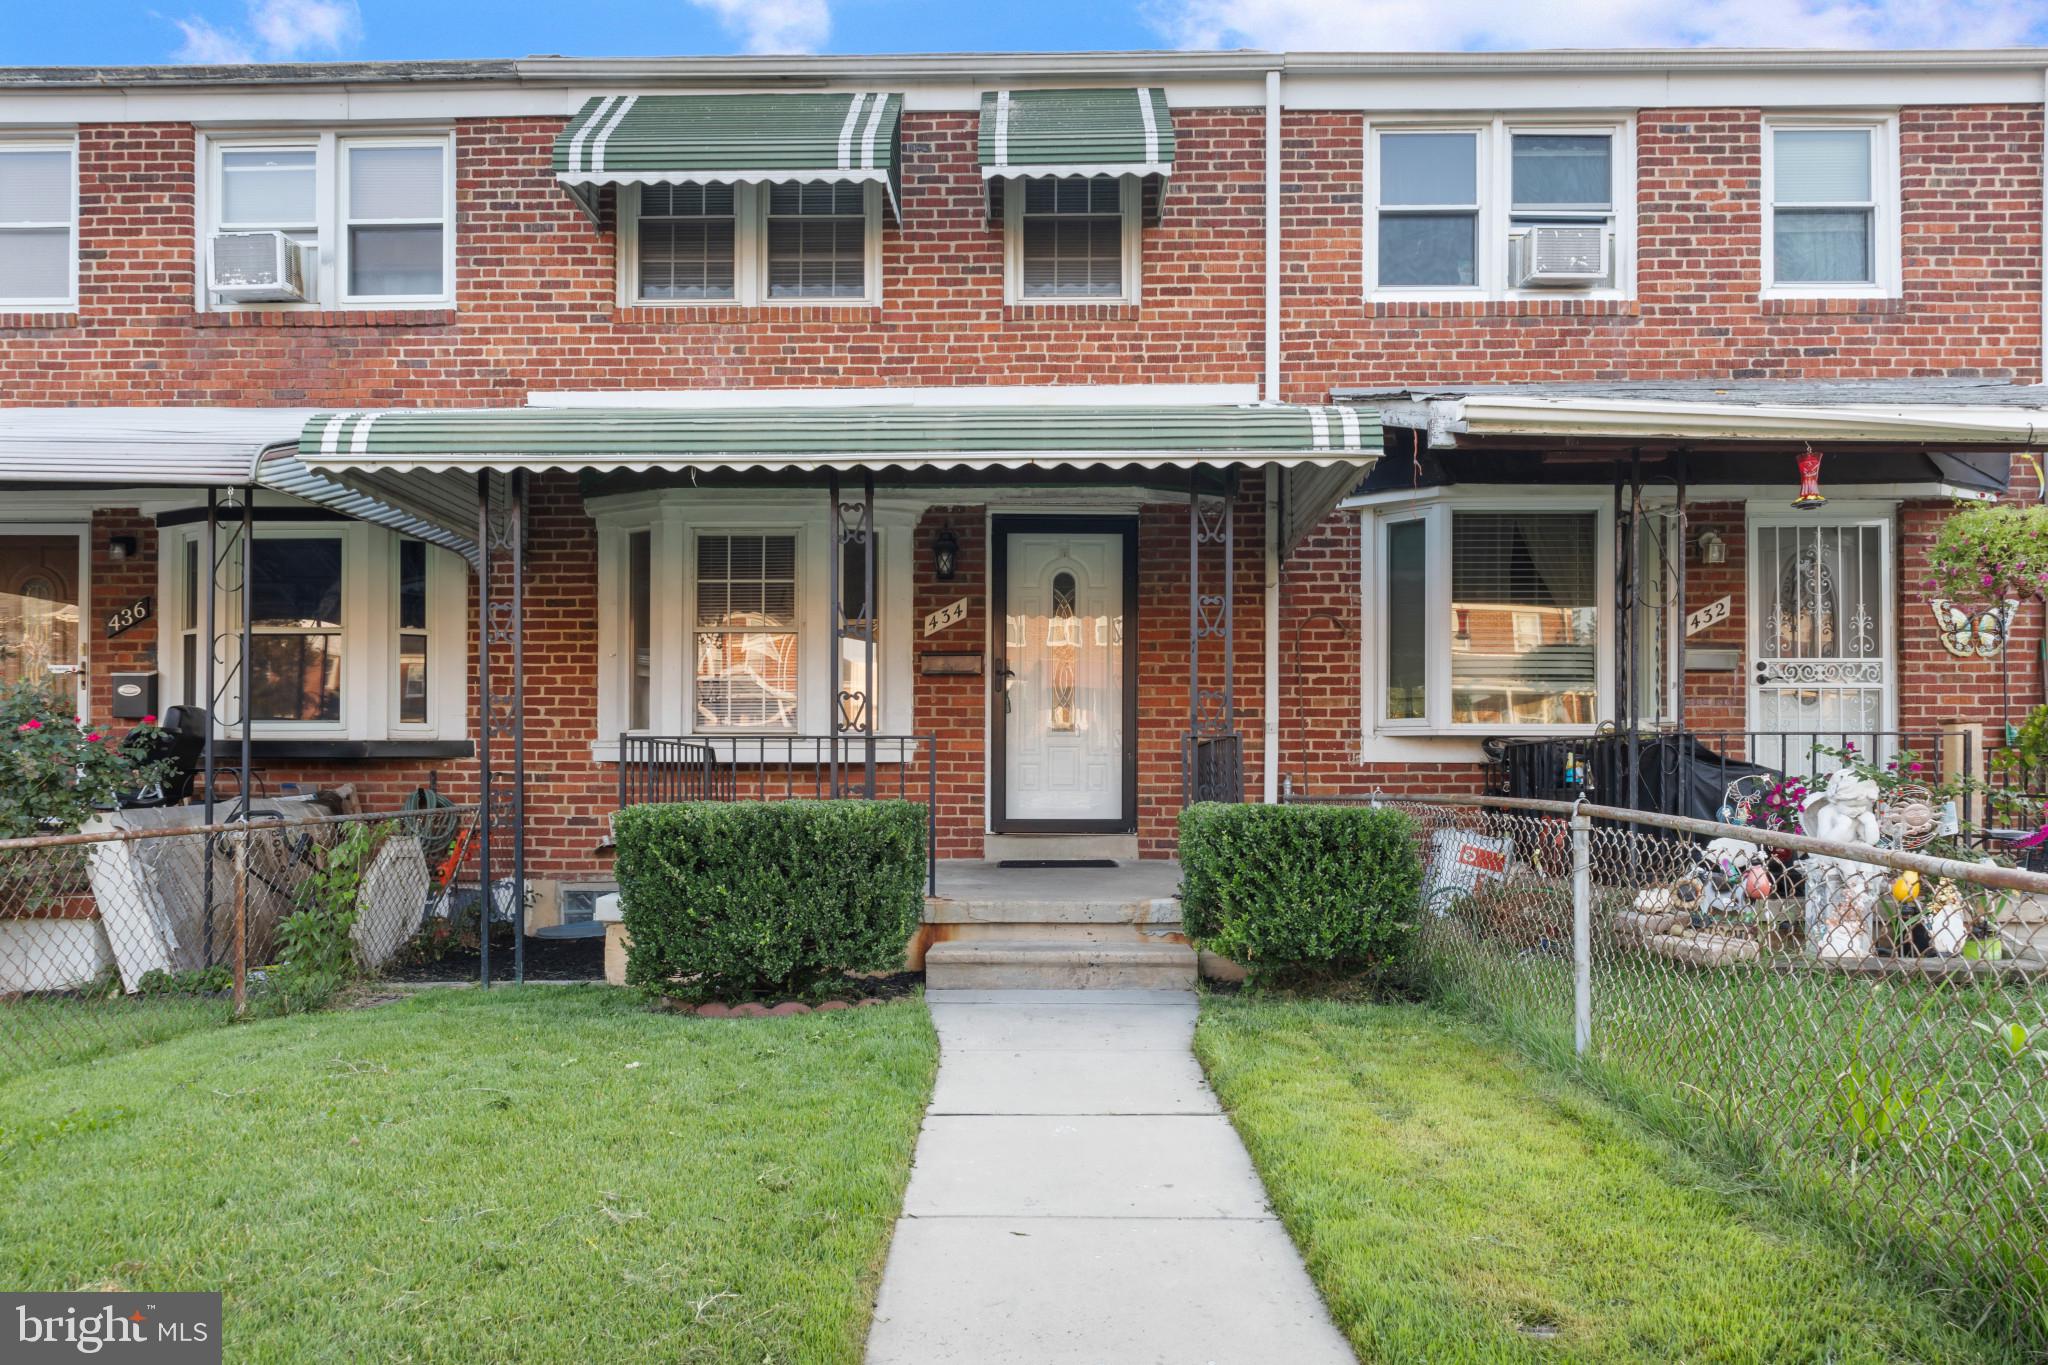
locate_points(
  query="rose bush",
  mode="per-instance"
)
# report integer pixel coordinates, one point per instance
(56, 768)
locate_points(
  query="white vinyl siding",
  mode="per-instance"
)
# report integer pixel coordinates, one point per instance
(38, 225)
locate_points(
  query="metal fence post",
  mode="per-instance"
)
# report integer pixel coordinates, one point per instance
(1582, 933)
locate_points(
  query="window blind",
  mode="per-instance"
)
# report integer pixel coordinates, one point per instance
(1821, 166)
(387, 183)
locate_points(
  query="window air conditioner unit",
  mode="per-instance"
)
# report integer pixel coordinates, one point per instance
(1560, 255)
(260, 267)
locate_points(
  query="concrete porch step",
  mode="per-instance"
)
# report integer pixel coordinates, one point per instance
(1040, 964)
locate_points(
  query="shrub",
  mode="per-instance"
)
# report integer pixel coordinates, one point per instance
(55, 769)
(1284, 890)
(752, 897)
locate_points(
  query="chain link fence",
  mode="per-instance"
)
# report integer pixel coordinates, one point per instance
(116, 939)
(1865, 1025)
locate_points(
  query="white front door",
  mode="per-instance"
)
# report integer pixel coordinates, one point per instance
(1820, 604)
(1061, 706)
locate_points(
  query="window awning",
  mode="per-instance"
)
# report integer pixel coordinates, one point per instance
(850, 137)
(1029, 133)
(1323, 451)
(1076, 132)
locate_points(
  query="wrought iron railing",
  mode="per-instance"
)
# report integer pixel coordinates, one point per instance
(1211, 768)
(1689, 773)
(780, 767)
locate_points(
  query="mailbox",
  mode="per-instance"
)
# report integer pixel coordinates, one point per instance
(134, 696)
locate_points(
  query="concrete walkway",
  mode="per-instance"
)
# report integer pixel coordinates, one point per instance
(1079, 1196)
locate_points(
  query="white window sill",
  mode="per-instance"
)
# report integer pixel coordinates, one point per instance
(1830, 291)
(1475, 732)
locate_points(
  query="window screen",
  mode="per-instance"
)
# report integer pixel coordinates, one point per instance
(35, 223)
(686, 242)
(746, 632)
(1073, 238)
(1428, 209)
(1823, 206)
(396, 220)
(817, 241)
(1524, 617)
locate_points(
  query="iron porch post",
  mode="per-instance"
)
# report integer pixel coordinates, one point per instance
(483, 727)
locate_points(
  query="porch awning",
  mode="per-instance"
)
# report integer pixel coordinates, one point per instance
(1706, 414)
(851, 137)
(123, 447)
(1323, 451)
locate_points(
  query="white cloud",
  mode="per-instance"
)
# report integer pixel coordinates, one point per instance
(274, 31)
(210, 46)
(774, 26)
(1473, 25)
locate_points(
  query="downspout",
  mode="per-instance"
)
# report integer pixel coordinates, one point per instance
(1275, 479)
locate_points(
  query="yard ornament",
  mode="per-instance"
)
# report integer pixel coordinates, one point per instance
(1841, 893)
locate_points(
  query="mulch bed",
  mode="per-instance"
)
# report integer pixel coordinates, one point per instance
(547, 959)
(851, 992)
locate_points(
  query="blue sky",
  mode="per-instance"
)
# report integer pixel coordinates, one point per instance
(122, 31)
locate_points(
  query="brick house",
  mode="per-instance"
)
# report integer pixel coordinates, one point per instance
(1091, 431)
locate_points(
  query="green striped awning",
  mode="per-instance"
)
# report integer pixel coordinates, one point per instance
(731, 139)
(838, 437)
(1076, 132)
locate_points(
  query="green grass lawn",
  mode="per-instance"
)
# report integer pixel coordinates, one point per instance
(41, 1032)
(1456, 1202)
(534, 1174)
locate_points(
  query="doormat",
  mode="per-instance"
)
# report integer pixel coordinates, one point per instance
(1056, 862)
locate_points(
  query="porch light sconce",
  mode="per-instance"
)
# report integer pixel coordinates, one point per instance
(1810, 495)
(121, 547)
(945, 555)
(1713, 549)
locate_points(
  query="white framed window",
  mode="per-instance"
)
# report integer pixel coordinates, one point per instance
(38, 224)
(809, 243)
(1451, 205)
(715, 614)
(397, 201)
(378, 212)
(1491, 616)
(356, 632)
(1831, 207)
(1072, 239)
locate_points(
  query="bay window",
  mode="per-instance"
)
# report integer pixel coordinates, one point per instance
(1451, 206)
(1489, 617)
(715, 618)
(356, 632)
(1830, 200)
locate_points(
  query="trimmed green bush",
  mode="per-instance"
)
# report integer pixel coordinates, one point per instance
(1299, 890)
(756, 897)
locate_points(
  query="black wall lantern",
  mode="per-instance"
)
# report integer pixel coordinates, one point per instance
(945, 555)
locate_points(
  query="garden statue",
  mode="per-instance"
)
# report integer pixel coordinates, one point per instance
(1841, 893)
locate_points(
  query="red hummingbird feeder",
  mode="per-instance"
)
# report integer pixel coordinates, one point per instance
(1810, 495)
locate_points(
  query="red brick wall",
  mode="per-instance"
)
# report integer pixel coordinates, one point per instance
(536, 310)
(1970, 187)
(954, 708)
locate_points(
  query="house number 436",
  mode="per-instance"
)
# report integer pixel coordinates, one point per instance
(128, 617)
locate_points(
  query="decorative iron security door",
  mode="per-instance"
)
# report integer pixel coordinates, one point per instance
(1821, 598)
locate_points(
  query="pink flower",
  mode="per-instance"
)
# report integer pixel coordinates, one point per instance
(31, 725)
(149, 720)
(1987, 580)
(93, 738)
